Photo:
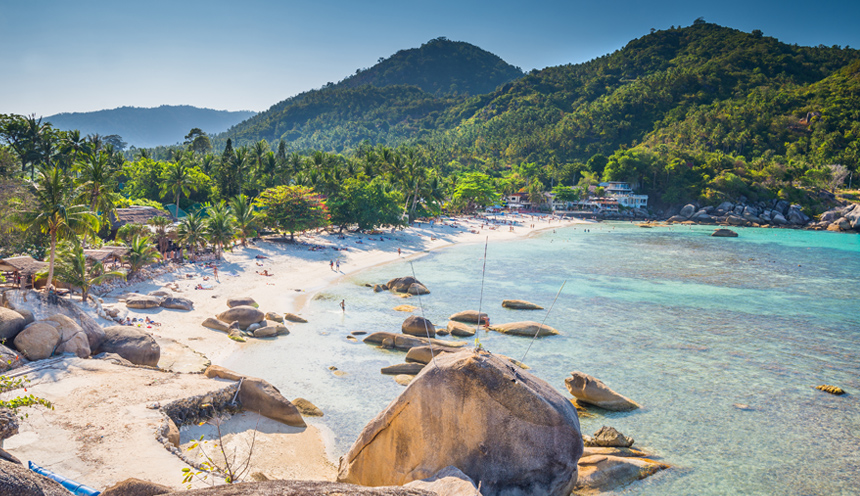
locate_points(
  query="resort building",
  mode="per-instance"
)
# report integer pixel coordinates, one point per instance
(518, 201)
(623, 193)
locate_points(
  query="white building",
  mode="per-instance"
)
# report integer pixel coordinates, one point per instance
(623, 194)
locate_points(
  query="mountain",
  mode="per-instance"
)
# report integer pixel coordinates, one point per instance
(149, 127)
(397, 99)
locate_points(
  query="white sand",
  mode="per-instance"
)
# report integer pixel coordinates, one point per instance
(101, 431)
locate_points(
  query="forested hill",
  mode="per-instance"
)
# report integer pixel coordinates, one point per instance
(149, 127)
(440, 67)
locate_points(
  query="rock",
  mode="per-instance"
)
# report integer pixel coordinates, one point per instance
(77, 345)
(8, 424)
(778, 219)
(449, 481)
(176, 303)
(460, 329)
(676, 218)
(469, 317)
(38, 341)
(28, 316)
(244, 315)
(736, 220)
(274, 317)
(291, 317)
(68, 327)
(216, 324)
(142, 301)
(520, 305)
(133, 344)
(418, 289)
(236, 335)
(307, 408)
(831, 389)
(834, 227)
(608, 437)
(271, 331)
(843, 223)
(19, 481)
(687, 211)
(242, 301)
(253, 327)
(403, 379)
(724, 233)
(161, 293)
(403, 368)
(300, 488)
(405, 308)
(406, 342)
(136, 487)
(531, 449)
(11, 323)
(625, 452)
(424, 354)
(593, 391)
(217, 371)
(378, 288)
(257, 395)
(418, 326)
(781, 207)
(7, 457)
(405, 285)
(172, 433)
(602, 473)
(526, 328)
(10, 360)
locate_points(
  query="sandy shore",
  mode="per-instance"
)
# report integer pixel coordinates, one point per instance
(101, 430)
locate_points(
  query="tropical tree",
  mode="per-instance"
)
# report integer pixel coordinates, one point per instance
(291, 209)
(141, 253)
(96, 177)
(178, 180)
(220, 227)
(54, 211)
(72, 269)
(244, 218)
(161, 225)
(191, 231)
(474, 190)
(368, 204)
(127, 232)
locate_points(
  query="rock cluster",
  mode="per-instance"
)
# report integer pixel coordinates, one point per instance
(161, 298)
(406, 285)
(774, 212)
(244, 319)
(840, 219)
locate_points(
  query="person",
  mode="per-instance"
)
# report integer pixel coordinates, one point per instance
(343, 305)
(398, 252)
(331, 264)
(215, 272)
(337, 264)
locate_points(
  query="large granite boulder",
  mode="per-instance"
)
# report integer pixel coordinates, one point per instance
(604, 473)
(143, 302)
(275, 317)
(609, 437)
(521, 305)
(17, 480)
(11, 323)
(73, 339)
(271, 330)
(469, 317)
(242, 301)
(291, 317)
(460, 329)
(425, 354)
(687, 211)
(450, 481)
(42, 308)
(215, 324)
(593, 391)
(477, 412)
(301, 488)
(418, 326)
(8, 424)
(245, 315)
(257, 395)
(526, 328)
(404, 285)
(406, 342)
(131, 343)
(37, 341)
(724, 233)
(9, 359)
(136, 487)
(177, 303)
(778, 219)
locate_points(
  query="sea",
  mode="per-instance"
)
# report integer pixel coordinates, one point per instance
(721, 340)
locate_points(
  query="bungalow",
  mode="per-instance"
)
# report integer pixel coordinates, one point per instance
(519, 201)
(623, 193)
(134, 215)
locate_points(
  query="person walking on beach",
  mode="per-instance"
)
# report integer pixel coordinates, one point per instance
(215, 273)
(343, 306)
(337, 265)
(331, 264)
(398, 252)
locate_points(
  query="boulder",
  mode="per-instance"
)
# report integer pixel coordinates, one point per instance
(526, 328)
(7, 457)
(307, 408)
(736, 220)
(603, 473)
(521, 305)
(843, 223)
(37, 341)
(724, 233)
(676, 218)
(291, 317)
(246, 301)
(424, 354)
(778, 219)
(625, 452)
(73, 339)
(834, 227)
(687, 211)
(161, 293)
(403, 368)
(257, 395)
(477, 412)
(8, 424)
(10, 360)
(173, 436)
(176, 303)
(11, 323)
(782, 207)
(17, 480)
(217, 371)
(418, 326)
(469, 317)
(460, 329)
(405, 308)
(29, 318)
(133, 344)
(271, 330)
(213, 323)
(378, 288)
(275, 317)
(418, 289)
(449, 481)
(142, 301)
(406, 342)
(136, 487)
(608, 437)
(256, 325)
(404, 285)
(244, 315)
(300, 488)
(593, 391)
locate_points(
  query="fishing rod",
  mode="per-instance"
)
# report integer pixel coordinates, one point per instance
(542, 323)
(426, 329)
(481, 298)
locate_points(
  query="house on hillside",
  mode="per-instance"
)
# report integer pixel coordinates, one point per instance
(623, 194)
(518, 201)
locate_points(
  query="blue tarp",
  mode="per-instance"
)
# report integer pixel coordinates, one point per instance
(74, 487)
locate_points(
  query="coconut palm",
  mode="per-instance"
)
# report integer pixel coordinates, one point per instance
(192, 231)
(162, 231)
(127, 232)
(96, 177)
(220, 227)
(245, 219)
(178, 181)
(73, 270)
(141, 253)
(55, 211)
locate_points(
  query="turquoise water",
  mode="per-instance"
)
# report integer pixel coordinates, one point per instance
(685, 324)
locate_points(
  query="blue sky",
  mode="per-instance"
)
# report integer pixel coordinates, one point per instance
(63, 56)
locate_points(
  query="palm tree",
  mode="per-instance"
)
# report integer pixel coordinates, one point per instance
(162, 231)
(192, 231)
(178, 181)
(96, 179)
(127, 232)
(140, 254)
(244, 216)
(220, 227)
(72, 269)
(54, 211)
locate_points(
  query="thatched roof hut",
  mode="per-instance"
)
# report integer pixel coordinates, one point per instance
(135, 215)
(23, 265)
(106, 253)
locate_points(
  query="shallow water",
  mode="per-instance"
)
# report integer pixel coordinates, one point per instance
(685, 324)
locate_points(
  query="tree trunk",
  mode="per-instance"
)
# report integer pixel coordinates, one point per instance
(51, 260)
(177, 205)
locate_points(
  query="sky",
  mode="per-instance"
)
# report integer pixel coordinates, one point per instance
(63, 56)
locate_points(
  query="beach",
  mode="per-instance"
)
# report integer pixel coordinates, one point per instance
(102, 428)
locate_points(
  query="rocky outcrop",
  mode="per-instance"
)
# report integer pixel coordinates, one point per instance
(301, 488)
(10, 360)
(425, 354)
(625, 452)
(73, 339)
(19, 481)
(306, 408)
(418, 326)
(213, 323)
(37, 341)
(593, 391)
(526, 328)
(271, 330)
(724, 233)
(609, 437)
(469, 317)
(520, 305)
(405, 342)
(244, 315)
(291, 317)
(136, 487)
(258, 395)
(405, 285)
(275, 317)
(242, 301)
(519, 435)
(143, 301)
(687, 211)
(8, 424)
(838, 391)
(603, 473)
(133, 344)
(11, 323)
(460, 329)
(450, 481)
(42, 307)
(403, 369)
(176, 303)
